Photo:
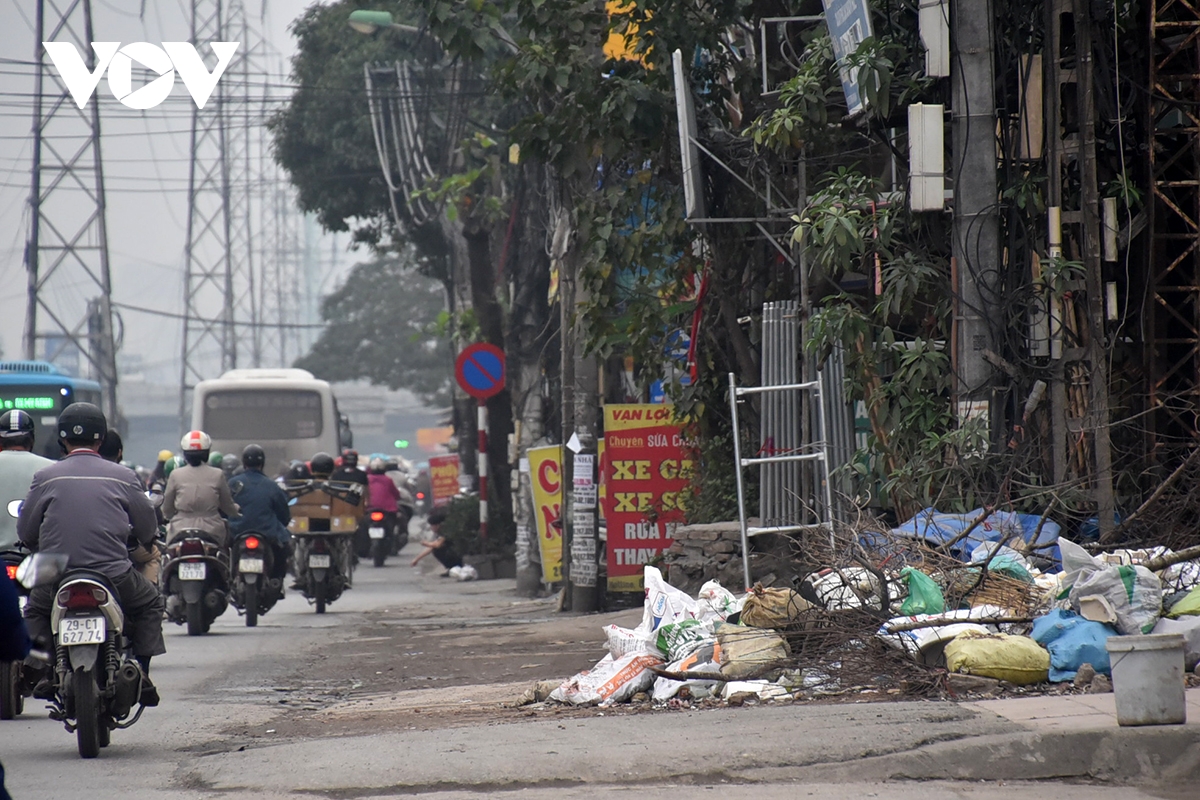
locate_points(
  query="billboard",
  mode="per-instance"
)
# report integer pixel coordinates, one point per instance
(647, 480)
(443, 478)
(545, 473)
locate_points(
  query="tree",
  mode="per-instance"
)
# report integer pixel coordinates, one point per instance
(385, 324)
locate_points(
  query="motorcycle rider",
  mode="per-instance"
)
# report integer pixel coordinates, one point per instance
(18, 465)
(321, 466)
(85, 508)
(264, 507)
(349, 472)
(197, 494)
(382, 494)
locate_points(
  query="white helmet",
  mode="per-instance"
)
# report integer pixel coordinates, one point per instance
(195, 442)
(375, 465)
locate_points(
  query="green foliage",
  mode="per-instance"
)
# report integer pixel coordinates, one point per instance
(461, 528)
(382, 325)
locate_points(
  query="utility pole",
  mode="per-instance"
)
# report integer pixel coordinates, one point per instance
(976, 232)
(69, 289)
(581, 425)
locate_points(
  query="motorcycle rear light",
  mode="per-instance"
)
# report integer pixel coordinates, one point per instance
(11, 569)
(82, 596)
(319, 546)
(420, 495)
(376, 516)
(191, 547)
(251, 542)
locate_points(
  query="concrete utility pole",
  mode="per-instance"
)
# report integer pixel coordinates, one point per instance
(976, 230)
(581, 425)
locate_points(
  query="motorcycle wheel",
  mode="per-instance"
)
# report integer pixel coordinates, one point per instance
(251, 602)
(195, 619)
(12, 699)
(378, 552)
(87, 713)
(319, 595)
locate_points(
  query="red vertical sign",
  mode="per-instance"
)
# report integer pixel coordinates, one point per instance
(647, 478)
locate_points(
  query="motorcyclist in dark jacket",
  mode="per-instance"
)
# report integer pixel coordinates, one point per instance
(264, 507)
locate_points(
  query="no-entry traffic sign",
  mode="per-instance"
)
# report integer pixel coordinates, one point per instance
(479, 370)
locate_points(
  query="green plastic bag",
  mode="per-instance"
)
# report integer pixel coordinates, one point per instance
(924, 596)
(1188, 606)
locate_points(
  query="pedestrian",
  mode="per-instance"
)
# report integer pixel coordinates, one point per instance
(439, 546)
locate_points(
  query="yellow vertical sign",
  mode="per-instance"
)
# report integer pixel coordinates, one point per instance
(545, 472)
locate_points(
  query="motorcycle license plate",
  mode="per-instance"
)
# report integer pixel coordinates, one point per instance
(250, 565)
(375, 532)
(318, 562)
(81, 630)
(192, 571)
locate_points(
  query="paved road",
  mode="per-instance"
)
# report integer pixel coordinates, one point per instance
(209, 684)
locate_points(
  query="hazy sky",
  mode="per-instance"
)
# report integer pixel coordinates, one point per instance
(146, 171)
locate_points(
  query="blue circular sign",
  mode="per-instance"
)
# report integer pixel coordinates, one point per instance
(480, 370)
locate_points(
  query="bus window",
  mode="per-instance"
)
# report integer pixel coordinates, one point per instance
(266, 414)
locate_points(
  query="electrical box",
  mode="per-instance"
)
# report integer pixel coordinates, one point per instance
(926, 157)
(933, 21)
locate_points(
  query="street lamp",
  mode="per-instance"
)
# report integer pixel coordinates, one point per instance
(369, 22)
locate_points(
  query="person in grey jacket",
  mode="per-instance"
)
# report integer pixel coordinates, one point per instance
(87, 508)
(197, 494)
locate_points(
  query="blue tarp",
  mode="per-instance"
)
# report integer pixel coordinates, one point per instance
(936, 528)
(1072, 641)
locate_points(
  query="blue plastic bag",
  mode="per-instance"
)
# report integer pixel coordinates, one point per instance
(1072, 641)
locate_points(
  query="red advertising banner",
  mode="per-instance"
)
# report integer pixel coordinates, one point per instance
(646, 484)
(443, 478)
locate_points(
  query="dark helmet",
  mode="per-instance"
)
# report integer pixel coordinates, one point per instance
(298, 471)
(16, 427)
(254, 457)
(82, 422)
(322, 465)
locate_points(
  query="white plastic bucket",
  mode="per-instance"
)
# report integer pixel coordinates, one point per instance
(1147, 675)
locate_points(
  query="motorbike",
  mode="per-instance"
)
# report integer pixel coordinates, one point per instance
(12, 681)
(196, 578)
(254, 591)
(324, 523)
(96, 681)
(376, 536)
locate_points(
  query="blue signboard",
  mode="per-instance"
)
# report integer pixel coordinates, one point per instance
(480, 370)
(849, 23)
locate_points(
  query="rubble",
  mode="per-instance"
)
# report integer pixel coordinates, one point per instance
(956, 605)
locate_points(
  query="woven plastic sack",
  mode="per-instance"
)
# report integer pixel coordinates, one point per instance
(1188, 606)
(1134, 593)
(1016, 659)
(679, 639)
(924, 596)
(772, 608)
(622, 641)
(745, 652)
(610, 681)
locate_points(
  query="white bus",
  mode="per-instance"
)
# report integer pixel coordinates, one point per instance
(287, 411)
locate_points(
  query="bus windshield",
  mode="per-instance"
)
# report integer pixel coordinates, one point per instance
(252, 414)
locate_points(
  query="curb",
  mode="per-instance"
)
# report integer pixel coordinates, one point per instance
(1163, 755)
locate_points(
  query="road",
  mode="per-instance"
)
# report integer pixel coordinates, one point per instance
(266, 713)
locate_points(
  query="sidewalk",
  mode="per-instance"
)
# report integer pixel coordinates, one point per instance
(1076, 712)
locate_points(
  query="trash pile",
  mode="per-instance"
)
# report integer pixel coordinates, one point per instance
(909, 612)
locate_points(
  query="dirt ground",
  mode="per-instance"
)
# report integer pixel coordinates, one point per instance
(420, 669)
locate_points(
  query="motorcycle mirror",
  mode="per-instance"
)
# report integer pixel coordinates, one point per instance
(41, 568)
(14, 508)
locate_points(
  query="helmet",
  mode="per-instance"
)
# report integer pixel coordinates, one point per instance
(195, 441)
(165, 455)
(15, 427)
(253, 457)
(215, 458)
(376, 466)
(82, 422)
(299, 471)
(350, 458)
(170, 464)
(322, 465)
(230, 466)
